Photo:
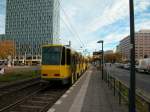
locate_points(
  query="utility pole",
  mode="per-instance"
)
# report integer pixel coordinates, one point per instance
(69, 43)
(102, 62)
(132, 107)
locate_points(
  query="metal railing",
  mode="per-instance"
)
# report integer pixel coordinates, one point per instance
(122, 90)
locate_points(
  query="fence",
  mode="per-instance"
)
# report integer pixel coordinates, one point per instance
(122, 90)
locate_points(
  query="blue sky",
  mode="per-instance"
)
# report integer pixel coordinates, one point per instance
(94, 20)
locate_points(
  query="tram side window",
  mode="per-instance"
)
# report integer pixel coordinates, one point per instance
(68, 57)
(77, 59)
(63, 56)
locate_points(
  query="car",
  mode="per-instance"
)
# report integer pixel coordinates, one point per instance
(144, 65)
(119, 65)
(127, 66)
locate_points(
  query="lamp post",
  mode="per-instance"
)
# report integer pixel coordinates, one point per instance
(101, 41)
(132, 106)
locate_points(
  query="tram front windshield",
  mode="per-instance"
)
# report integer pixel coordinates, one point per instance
(51, 55)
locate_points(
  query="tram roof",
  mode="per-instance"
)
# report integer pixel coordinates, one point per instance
(60, 45)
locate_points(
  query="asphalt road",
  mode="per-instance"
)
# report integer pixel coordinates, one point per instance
(142, 79)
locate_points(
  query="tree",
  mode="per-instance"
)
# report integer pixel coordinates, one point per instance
(112, 57)
(118, 57)
(7, 48)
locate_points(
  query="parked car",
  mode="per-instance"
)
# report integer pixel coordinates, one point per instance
(119, 65)
(144, 65)
(127, 66)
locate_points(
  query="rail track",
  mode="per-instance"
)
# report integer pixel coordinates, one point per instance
(11, 93)
(19, 85)
(38, 101)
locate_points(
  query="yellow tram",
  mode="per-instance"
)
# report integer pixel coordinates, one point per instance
(61, 63)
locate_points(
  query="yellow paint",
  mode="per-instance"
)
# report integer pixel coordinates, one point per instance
(51, 70)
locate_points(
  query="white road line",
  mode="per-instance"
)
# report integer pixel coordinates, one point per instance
(58, 102)
(78, 102)
(68, 91)
(51, 110)
(64, 96)
(74, 85)
(71, 88)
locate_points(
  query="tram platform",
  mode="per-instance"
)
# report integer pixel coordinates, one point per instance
(88, 94)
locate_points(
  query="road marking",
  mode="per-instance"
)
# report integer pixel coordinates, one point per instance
(78, 102)
(71, 88)
(58, 102)
(68, 91)
(64, 96)
(51, 110)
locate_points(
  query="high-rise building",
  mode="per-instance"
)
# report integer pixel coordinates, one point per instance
(142, 45)
(2, 36)
(30, 24)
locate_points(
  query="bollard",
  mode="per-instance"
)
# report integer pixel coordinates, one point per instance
(104, 76)
(111, 86)
(114, 86)
(119, 92)
(107, 75)
(110, 82)
(108, 79)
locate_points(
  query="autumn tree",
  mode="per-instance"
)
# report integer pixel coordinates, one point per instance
(118, 57)
(112, 57)
(7, 48)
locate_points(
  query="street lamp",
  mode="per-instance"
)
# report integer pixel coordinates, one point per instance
(132, 98)
(101, 41)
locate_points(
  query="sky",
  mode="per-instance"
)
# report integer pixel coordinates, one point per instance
(84, 22)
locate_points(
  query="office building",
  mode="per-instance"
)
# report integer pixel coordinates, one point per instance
(30, 24)
(108, 52)
(2, 36)
(142, 45)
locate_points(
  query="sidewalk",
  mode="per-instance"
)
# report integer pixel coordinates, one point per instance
(89, 94)
(99, 98)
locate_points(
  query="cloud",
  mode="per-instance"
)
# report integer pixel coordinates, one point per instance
(113, 12)
(116, 17)
(144, 24)
(93, 20)
(141, 5)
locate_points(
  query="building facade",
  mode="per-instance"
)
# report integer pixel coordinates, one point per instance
(108, 52)
(117, 49)
(2, 36)
(142, 45)
(30, 24)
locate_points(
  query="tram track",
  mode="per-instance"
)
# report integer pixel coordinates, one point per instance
(11, 93)
(6, 89)
(39, 101)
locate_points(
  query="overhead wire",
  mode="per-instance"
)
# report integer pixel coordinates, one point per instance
(70, 26)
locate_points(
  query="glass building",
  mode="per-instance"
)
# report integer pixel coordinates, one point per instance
(2, 37)
(30, 24)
